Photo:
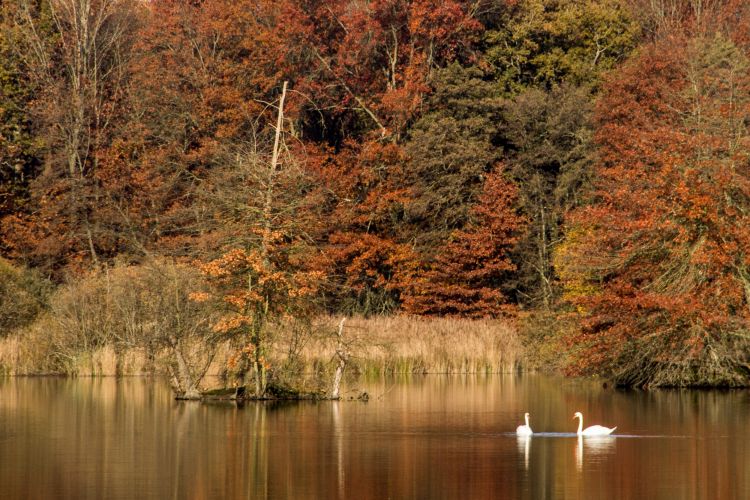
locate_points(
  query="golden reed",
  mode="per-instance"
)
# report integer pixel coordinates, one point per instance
(377, 345)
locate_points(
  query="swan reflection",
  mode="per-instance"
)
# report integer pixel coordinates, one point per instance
(595, 447)
(524, 446)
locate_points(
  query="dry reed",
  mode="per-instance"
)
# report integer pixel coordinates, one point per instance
(410, 344)
(377, 345)
(34, 351)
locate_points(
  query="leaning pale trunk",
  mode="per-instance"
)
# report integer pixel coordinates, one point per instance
(261, 376)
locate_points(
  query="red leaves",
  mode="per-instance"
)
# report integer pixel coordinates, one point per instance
(375, 56)
(467, 277)
(369, 262)
(660, 276)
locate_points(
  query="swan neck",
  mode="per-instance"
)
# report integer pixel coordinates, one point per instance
(526, 417)
(580, 423)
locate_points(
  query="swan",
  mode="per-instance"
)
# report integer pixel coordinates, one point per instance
(594, 430)
(524, 430)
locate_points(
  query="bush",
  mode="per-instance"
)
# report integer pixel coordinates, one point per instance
(23, 295)
(542, 335)
(94, 325)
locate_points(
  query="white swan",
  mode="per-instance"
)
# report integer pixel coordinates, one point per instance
(594, 430)
(524, 430)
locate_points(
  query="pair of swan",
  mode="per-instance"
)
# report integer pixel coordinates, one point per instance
(594, 430)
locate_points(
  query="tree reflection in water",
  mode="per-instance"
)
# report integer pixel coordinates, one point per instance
(427, 437)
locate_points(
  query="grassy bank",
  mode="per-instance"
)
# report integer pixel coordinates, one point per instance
(379, 345)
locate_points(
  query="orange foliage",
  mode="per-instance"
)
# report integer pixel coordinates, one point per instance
(467, 277)
(365, 252)
(253, 290)
(657, 265)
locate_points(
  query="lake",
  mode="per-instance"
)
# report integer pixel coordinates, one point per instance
(426, 437)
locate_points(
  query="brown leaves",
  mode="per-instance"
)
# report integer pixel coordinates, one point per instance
(253, 290)
(658, 277)
(468, 275)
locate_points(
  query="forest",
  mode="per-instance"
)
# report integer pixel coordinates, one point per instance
(177, 174)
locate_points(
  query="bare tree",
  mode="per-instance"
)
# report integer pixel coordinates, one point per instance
(77, 53)
(82, 67)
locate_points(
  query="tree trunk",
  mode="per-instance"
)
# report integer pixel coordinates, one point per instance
(266, 243)
(543, 265)
(187, 386)
(343, 356)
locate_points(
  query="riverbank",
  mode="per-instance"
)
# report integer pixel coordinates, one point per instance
(377, 345)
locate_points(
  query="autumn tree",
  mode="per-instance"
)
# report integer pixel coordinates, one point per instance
(366, 273)
(361, 246)
(656, 266)
(256, 294)
(76, 52)
(259, 279)
(468, 276)
(543, 42)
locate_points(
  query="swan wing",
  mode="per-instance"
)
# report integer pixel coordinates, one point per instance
(598, 430)
(524, 430)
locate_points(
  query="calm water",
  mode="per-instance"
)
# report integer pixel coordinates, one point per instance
(426, 438)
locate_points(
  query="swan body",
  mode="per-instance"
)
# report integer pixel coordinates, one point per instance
(524, 430)
(594, 430)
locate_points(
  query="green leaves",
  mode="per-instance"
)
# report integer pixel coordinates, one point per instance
(545, 42)
(450, 150)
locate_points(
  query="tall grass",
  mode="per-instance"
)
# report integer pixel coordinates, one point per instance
(45, 349)
(123, 320)
(411, 344)
(377, 345)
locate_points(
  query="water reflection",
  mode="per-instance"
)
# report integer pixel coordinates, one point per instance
(433, 437)
(524, 447)
(339, 438)
(595, 448)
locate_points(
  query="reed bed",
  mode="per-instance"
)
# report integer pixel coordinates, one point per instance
(35, 352)
(376, 346)
(409, 344)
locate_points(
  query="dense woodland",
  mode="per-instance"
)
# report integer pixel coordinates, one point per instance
(581, 166)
